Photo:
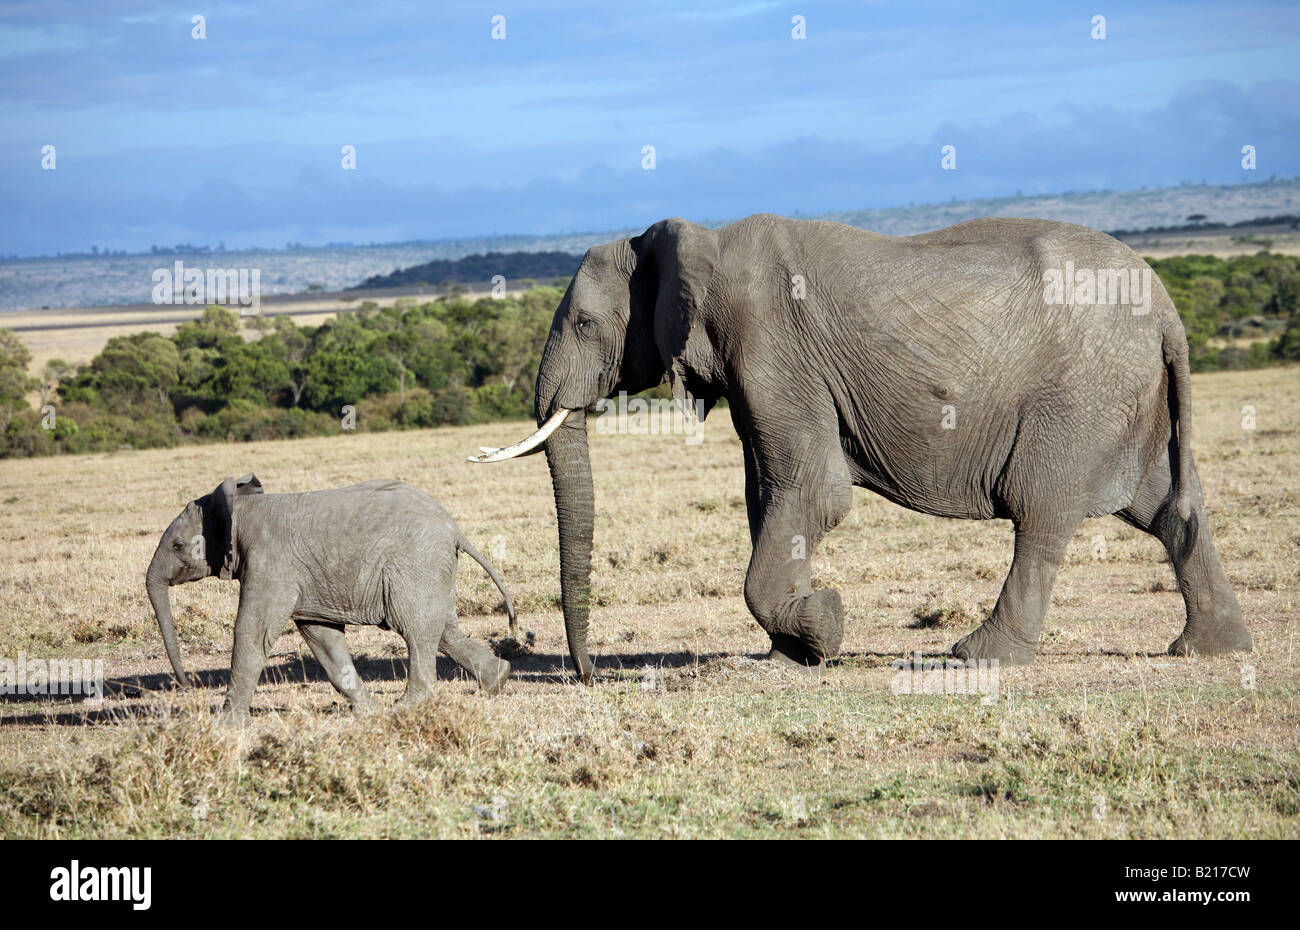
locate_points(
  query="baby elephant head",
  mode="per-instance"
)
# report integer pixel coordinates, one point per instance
(200, 542)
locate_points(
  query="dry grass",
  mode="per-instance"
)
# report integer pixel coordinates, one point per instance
(81, 334)
(1105, 736)
(1229, 244)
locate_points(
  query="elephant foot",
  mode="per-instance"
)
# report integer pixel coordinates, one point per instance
(414, 698)
(792, 653)
(494, 677)
(1201, 639)
(820, 623)
(231, 718)
(988, 643)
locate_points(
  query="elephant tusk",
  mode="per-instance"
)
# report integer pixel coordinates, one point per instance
(524, 445)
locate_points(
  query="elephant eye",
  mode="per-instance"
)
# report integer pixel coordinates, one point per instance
(585, 325)
(178, 544)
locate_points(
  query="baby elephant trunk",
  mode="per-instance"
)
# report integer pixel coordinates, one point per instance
(160, 598)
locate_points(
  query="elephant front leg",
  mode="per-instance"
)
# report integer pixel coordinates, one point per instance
(262, 618)
(806, 626)
(330, 647)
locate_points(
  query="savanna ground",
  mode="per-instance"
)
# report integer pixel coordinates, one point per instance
(684, 732)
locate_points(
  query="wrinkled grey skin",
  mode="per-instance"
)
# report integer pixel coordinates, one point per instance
(1061, 411)
(380, 553)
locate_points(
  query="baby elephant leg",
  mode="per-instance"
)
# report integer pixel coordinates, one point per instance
(475, 658)
(331, 650)
(263, 615)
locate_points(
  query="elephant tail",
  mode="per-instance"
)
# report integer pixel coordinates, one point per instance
(1180, 419)
(464, 545)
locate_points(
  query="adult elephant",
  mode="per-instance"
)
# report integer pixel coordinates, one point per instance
(968, 372)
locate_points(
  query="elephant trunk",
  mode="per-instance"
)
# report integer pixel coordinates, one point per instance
(160, 598)
(570, 464)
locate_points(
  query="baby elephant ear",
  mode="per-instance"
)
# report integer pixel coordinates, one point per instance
(224, 544)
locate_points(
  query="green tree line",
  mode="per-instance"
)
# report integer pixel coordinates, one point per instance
(1241, 312)
(453, 361)
(446, 361)
(513, 266)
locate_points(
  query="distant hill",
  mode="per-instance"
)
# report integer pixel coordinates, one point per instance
(1148, 207)
(103, 280)
(1289, 221)
(477, 269)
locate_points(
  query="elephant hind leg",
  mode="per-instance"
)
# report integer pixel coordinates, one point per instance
(1010, 634)
(475, 657)
(330, 647)
(432, 625)
(421, 669)
(422, 635)
(420, 622)
(435, 627)
(1214, 624)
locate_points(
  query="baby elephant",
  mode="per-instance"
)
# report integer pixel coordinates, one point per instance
(379, 552)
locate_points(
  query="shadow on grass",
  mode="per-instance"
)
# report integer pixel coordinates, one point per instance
(80, 709)
(1138, 654)
(869, 659)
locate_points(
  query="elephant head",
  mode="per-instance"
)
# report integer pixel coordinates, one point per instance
(633, 315)
(198, 543)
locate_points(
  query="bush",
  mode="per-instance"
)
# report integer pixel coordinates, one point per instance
(453, 406)
(1214, 296)
(498, 402)
(246, 421)
(1287, 346)
(24, 437)
(416, 410)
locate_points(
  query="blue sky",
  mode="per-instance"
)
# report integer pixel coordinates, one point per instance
(162, 138)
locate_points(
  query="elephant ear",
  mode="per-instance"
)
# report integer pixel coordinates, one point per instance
(223, 541)
(679, 258)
